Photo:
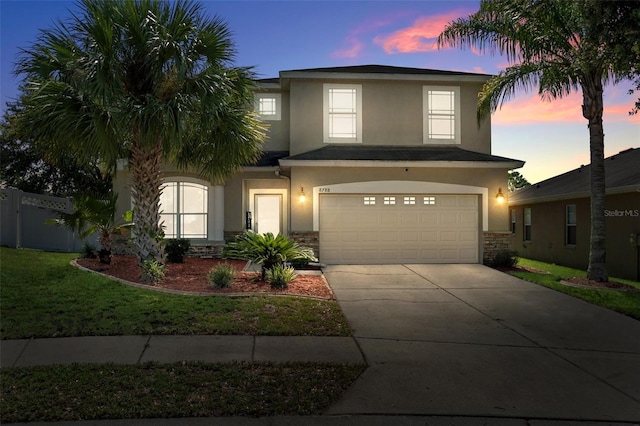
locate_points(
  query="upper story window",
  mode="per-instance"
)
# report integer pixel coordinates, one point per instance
(268, 105)
(184, 210)
(342, 113)
(441, 114)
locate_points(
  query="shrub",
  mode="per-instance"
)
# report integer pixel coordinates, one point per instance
(176, 249)
(267, 250)
(222, 275)
(89, 251)
(280, 276)
(505, 259)
(152, 270)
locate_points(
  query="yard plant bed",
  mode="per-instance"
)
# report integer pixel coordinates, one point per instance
(191, 277)
(44, 296)
(616, 294)
(108, 391)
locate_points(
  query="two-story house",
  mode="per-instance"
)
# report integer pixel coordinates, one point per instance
(367, 164)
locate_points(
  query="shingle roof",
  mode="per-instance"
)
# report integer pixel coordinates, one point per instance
(270, 158)
(622, 172)
(383, 69)
(395, 153)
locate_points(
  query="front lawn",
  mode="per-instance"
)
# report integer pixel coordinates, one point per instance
(42, 295)
(625, 302)
(108, 391)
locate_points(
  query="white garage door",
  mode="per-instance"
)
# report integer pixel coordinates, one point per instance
(388, 228)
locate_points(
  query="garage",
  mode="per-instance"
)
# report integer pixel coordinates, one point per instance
(398, 228)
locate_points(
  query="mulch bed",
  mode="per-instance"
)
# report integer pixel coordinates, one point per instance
(581, 282)
(191, 276)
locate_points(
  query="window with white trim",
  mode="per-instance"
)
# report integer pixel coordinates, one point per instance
(527, 224)
(268, 105)
(389, 201)
(571, 230)
(410, 201)
(342, 104)
(513, 221)
(183, 207)
(441, 115)
(429, 201)
(369, 201)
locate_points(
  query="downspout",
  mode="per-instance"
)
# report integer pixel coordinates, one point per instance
(288, 179)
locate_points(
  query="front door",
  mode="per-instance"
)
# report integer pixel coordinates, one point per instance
(268, 213)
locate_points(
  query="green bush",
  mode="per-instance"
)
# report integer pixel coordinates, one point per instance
(505, 259)
(176, 249)
(280, 276)
(222, 275)
(152, 270)
(89, 251)
(267, 250)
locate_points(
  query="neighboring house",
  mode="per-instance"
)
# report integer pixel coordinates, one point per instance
(366, 164)
(551, 220)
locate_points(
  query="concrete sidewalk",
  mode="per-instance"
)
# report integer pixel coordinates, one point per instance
(168, 349)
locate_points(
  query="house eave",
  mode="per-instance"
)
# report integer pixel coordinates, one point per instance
(260, 169)
(574, 195)
(403, 164)
(383, 76)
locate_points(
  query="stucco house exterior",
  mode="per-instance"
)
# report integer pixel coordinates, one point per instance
(551, 220)
(366, 164)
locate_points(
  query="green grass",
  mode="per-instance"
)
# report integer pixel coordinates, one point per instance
(42, 295)
(108, 391)
(625, 302)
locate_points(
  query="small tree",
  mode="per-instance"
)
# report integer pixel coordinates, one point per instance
(92, 215)
(517, 181)
(267, 250)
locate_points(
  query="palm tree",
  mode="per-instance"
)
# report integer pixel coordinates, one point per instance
(558, 46)
(144, 80)
(93, 214)
(267, 250)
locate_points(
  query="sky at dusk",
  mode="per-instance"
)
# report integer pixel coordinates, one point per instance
(271, 36)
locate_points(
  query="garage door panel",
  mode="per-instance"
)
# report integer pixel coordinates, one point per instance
(348, 236)
(369, 236)
(429, 218)
(428, 236)
(408, 219)
(409, 236)
(389, 236)
(445, 230)
(468, 236)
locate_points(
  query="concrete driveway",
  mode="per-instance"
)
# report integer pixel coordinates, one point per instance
(469, 340)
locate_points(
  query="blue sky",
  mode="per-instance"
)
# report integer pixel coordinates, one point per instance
(281, 35)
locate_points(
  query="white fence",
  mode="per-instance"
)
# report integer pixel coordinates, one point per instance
(22, 220)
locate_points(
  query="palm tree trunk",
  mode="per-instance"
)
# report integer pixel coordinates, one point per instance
(145, 189)
(592, 111)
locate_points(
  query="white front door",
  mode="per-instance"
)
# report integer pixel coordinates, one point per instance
(268, 213)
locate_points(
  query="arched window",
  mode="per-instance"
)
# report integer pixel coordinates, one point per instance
(183, 207)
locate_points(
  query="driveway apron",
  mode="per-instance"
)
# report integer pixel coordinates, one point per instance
(469, 340)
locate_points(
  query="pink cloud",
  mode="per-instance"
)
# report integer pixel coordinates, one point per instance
(420, 37)
(531, 109)
(354, 44)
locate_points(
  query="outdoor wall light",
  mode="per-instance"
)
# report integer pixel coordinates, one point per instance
(500, 196)
(302, 197)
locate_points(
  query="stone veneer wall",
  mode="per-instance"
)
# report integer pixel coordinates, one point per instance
(494, 242)
(307, 239)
